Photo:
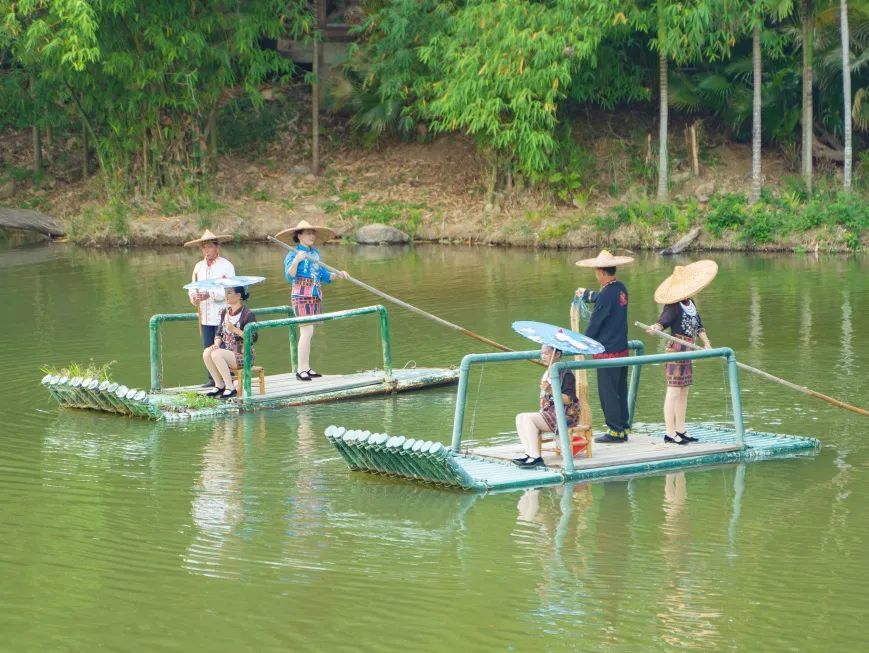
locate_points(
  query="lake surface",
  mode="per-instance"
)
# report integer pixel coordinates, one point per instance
(251, 533)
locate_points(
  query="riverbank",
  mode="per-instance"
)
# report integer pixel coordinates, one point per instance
(437, 191)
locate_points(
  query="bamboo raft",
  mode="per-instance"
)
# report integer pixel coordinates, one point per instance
(282, 390)
(488, 468)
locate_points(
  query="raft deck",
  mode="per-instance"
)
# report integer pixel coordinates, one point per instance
(485, 468)
(281, 390)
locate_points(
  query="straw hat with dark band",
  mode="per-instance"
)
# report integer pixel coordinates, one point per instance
(286, 236)
(208, 237)
(605, 260)
(686, 281)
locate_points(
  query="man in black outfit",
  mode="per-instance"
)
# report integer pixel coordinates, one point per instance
(609, 326)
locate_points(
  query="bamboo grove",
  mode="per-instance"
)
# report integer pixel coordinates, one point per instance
(143, 81)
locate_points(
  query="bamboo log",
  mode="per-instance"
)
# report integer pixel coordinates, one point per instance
(769, 377)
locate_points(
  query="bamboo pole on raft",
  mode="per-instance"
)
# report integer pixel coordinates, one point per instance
(410, 307)
(768, 376)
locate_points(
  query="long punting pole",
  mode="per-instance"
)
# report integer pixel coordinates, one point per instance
(768, 376)
(411, 308)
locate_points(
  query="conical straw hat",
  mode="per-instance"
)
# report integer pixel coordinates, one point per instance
(208, 237)
(286, 236)
(605, 260)
(686, 281)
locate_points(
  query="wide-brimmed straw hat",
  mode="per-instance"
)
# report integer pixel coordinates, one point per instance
(286, 236)
(605, 260)
(686, 281)
(208, 237)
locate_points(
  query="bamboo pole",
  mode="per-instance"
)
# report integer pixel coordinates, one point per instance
(410, 307)
(768, 376)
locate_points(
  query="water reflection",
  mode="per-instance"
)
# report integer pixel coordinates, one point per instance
(217, 508)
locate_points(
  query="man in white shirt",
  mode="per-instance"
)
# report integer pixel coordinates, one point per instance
(209, 303)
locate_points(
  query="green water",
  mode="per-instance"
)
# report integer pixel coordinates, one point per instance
(251, 534)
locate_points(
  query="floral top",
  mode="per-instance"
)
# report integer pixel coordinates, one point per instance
(682, 319)
(229, 340)
(310, 275)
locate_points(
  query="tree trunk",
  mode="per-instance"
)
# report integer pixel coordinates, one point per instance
(37, 150)
(846, 93)
(315, 93)
(663, 174)
(84, 151)
(754, 195)
(807, 113)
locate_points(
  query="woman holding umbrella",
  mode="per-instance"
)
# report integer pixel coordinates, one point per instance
(227, 352)
(531, 426)
(680, 315)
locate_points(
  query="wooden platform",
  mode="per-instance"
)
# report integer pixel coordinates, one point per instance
(488, 468)
(282, 390)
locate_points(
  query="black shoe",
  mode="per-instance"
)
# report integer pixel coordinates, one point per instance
(214, 392)
(210, 384)
(228, 395)
(687, 437)
(314, 375)
(607, 438)
(303, 376)
(679, 439)
(519, 461)
(531, 463)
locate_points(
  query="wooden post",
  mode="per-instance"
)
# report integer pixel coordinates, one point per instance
(695, 150)
(84, 150)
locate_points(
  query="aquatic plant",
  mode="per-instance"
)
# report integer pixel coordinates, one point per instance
(89, 370)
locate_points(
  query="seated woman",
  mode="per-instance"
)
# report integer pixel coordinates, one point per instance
(531, 426)
(227, 352)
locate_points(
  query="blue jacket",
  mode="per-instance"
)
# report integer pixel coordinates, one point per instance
(307, 269)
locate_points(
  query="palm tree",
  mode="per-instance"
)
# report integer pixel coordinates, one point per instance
(757, 80)
(846, 92)
(808, 20)
(663, 174)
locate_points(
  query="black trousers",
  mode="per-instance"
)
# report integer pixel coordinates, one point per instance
(612, 388)
(208, 333)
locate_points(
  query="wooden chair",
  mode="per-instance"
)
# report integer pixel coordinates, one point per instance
(255, 369)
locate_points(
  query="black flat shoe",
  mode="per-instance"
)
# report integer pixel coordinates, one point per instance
(679, 439)
(228, 395)
(531, 463)
(519, 461)
(314, 375)
(303, 376)
(214, 392)
(687, 437)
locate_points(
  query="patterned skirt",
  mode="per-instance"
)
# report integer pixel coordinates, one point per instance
(679, 374)
(304, 306)
(571, 412)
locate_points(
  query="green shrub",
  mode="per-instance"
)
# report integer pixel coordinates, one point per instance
(727, 211)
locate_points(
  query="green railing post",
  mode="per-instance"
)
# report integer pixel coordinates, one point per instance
(294, 343)
(736, 399)
(153, 326)
(385, 343)
(464, 372)
(249, 330)
(634, 384)
(561, 418)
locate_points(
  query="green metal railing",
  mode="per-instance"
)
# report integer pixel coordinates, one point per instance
(294, 322)
(154, 329)
(291, 322)
(635, 362)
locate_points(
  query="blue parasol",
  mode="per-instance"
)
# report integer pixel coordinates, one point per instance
(569, 342)
(225, 282)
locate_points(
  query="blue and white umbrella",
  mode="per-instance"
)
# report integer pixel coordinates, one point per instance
(569, 342)
(225, 282)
